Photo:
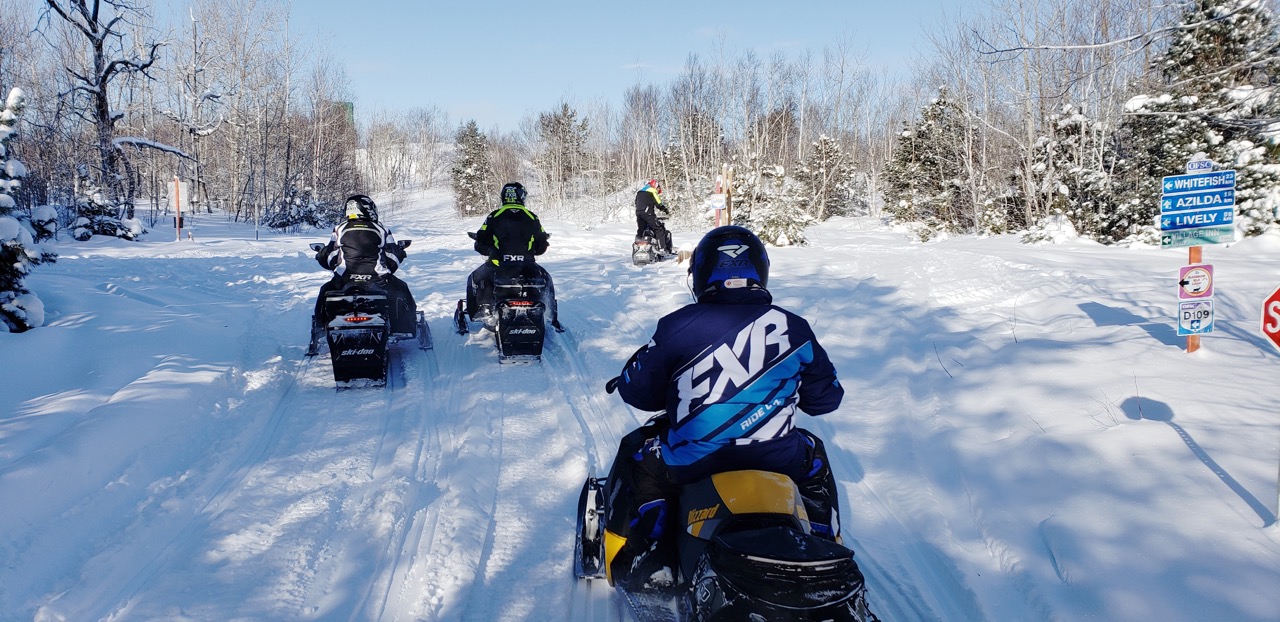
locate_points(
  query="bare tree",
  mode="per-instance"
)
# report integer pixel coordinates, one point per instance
(102, 26)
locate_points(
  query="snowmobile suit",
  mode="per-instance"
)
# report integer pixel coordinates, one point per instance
(648, 202)
(729, 374)
(510, 237)
(364, 248)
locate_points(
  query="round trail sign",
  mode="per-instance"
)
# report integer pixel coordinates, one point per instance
(1271, 318)
(1195, 282)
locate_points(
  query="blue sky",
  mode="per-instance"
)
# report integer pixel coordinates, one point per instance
(498, 60)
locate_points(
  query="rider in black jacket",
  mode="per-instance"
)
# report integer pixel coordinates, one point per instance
(362, 249)
(510, 237)
(648, 203)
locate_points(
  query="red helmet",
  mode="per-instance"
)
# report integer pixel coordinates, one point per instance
(653, 183)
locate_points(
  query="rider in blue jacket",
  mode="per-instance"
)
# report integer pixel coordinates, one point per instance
(729, 371)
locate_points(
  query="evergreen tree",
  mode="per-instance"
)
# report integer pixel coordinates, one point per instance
(773, 206)
(472, 171)
(20, 310)
(562, 154)
(1070, 165)
(298, 207)
(926, 174)
(1216, 97)
(828, 181)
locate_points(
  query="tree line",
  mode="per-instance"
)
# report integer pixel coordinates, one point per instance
(1032, 111)
(1024, 111)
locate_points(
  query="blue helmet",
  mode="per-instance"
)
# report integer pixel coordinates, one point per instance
(727, 259)
(513, 193)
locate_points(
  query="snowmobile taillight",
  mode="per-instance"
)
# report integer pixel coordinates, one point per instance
(520, 303)
(356, 319)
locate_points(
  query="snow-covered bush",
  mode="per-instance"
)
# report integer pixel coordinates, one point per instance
(20, 310)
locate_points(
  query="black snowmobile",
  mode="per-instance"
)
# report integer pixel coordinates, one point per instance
(518, 315)
(647, 249)
(743, 550)
(359, 332)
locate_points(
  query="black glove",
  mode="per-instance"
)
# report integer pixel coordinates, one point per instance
(612, 385)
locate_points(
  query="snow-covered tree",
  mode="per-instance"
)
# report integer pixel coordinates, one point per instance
(774, 206)
(300, 206)
(1069, 171)
(1217, 97)
(472, 171)
(829, 181)
(926, 175)
(20, 310)
(561, 152)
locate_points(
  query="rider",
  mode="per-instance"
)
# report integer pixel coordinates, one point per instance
(729, 371)
(648, 202)
(362, 249)
(510, 237)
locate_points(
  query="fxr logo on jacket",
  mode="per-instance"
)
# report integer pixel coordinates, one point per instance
(721, 373)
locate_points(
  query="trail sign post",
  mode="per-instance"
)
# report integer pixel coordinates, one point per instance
(1196, 208)
(1271, 318)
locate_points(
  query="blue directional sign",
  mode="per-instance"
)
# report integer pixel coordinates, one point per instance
(1198, 182)
(1197, 237)
(1197, 200)
(1203, 218)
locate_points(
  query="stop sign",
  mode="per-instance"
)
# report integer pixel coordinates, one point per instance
(1271, 318)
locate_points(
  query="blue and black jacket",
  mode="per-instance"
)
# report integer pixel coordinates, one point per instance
(729, 373)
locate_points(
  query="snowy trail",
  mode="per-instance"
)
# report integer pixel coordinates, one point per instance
(1016, 419)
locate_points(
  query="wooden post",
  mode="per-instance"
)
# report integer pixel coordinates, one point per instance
(728, 195)
(719, 189)
(1193, 257)
(177, 209)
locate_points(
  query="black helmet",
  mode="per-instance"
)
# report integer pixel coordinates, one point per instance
(360, 206)
(728, 259)
(512, 193)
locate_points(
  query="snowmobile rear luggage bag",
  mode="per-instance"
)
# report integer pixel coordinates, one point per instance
(786, 574)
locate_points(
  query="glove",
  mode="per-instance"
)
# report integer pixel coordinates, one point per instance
(612, 385)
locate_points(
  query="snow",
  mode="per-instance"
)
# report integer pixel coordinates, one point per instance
(1024, 436)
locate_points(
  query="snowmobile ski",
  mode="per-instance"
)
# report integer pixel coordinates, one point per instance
(317, 335)
(460, 318)
(588, 559)
(424, 333)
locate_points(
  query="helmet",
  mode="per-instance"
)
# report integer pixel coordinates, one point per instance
(728, 258)
(657, 187)
(513, 193)
(360, 206)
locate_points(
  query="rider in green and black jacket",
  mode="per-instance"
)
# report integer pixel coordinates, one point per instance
(510, 237)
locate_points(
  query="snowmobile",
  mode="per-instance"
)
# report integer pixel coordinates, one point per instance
(517, 317)
(743, 550)
(647, 249)
(359, 331)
